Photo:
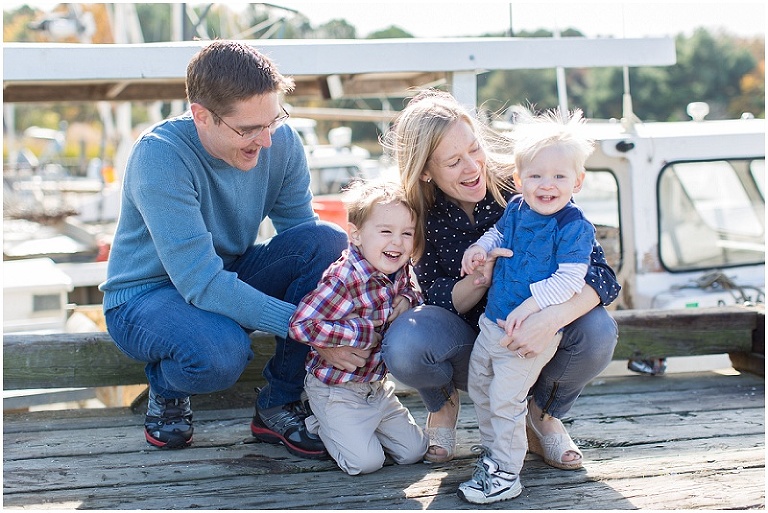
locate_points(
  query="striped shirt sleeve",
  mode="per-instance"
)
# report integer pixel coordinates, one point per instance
(561, 286)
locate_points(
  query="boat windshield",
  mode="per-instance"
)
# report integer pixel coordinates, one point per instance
(599, 200)
(712, 214)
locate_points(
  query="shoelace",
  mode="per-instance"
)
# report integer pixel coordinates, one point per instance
(481, 475)
(171, 411)
(289, 416)
(299, 408)
(174, 411)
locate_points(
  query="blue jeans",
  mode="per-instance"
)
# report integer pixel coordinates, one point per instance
(428, 348)
(192, 351)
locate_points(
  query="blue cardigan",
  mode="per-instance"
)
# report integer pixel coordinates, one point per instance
(186, 215)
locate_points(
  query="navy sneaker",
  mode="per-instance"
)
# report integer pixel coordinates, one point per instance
(168, 423)
(651, 366)
(285, 425)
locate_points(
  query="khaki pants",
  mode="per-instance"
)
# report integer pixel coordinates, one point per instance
(499, 382)
(360, 422)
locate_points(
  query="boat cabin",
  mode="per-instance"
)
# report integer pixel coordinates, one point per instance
(680, 210)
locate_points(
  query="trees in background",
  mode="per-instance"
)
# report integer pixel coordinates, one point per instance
(725, 71)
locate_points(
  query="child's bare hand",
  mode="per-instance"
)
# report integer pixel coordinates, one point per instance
(473, 257)
(399, 305)
(515, 320)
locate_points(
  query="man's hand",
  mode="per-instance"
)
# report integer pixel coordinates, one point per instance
(349, 358)
(344, 357)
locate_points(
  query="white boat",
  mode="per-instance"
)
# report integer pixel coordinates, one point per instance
(334, 165)
(681, 207)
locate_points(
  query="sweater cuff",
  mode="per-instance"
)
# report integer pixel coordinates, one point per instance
(275, 317)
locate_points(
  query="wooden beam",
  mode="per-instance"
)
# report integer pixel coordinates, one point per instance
(68, 360)
(684, 332)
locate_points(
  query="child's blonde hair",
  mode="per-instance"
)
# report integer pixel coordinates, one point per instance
(361, 196)
(534, 132)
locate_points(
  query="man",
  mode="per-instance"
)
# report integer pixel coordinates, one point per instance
(186, 283)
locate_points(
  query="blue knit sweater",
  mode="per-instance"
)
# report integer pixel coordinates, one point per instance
(185, 215)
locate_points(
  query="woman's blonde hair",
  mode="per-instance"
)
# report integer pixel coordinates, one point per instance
(420, 128)
(361, 196)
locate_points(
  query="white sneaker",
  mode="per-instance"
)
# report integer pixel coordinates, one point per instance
(489, 483)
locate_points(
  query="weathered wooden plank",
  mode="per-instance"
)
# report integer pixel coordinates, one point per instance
(752, 361)
(681, 382)
(111, 469)
(71, 360)
(701, 390)
(243, 484)
(684, 332)
(588, 432)
(642, 449)
(644, 493)
(673, 493)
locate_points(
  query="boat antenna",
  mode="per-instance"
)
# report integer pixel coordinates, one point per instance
(628, 118)
(562, 94)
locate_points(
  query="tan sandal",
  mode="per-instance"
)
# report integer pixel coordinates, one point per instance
(442, 437)
(552, 448)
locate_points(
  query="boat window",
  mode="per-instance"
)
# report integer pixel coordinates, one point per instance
(599, 199)
(711, 214)
(46, 302)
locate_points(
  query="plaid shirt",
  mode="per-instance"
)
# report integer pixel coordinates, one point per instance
(339, 312)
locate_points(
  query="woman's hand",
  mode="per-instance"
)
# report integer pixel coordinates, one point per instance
(539, 329)
(469, 290)
(534, 334)
(485, 269)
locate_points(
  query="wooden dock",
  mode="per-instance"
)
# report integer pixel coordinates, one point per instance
(681, 441)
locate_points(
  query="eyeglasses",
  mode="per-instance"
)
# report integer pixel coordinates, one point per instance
(253, 133)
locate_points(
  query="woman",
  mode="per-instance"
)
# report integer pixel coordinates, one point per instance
(458, 185)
